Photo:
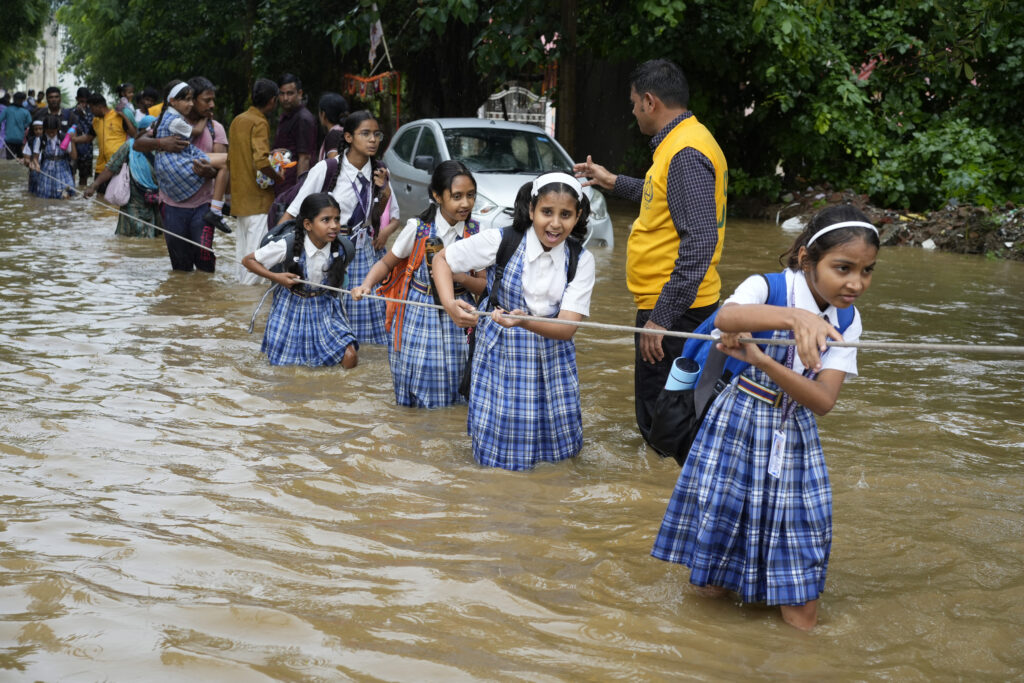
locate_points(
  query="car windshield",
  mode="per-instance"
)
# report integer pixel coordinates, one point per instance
(496, 150)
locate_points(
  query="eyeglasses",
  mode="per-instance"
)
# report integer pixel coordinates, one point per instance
(366, 134)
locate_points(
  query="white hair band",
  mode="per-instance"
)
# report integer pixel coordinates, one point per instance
(563, 178)
(176, 90)
(843, 224)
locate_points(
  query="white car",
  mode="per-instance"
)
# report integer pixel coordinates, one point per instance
(501, 155)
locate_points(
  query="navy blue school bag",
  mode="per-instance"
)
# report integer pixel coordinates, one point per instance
(678, 414)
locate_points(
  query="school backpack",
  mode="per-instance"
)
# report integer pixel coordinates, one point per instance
(283, 200)
(395, 284)
(678, 414)
(510, 240)
(286, 231)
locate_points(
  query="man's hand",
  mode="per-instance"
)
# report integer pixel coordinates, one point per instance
(203, 169)
(650, 344)
(598, 174)
(171, 143)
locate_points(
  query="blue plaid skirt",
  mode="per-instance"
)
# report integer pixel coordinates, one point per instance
(737, 527)
(55, 179)
(306, 330)
(524, 401)
(427, 370)
(366, 316)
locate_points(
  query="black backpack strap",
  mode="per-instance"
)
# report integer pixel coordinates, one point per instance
(331, 177)
(510, 240)
(575, 249)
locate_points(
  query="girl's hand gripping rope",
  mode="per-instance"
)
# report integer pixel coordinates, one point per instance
(811, 334)
(462, 313)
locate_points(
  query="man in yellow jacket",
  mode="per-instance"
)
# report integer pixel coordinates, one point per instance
(676, 241)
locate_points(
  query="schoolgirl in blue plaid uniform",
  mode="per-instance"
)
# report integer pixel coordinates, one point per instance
(55, 180)
(427, 352)
(752, 509)
(174, 171)
(524, 403)
(307, 325)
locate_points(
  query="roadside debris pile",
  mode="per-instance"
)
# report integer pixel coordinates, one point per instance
(997, 232)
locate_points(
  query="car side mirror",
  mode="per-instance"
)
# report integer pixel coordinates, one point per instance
(424, 163)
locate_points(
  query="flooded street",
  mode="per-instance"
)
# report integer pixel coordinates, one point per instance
(175, 508)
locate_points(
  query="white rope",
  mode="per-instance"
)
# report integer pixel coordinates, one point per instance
(866, 345)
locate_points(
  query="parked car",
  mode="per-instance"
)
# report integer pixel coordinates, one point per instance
(501, 155)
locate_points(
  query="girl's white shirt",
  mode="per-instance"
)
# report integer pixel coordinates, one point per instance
(543, 272)
(273, 253)
(407, 238)
(344, 189)
(754, 290)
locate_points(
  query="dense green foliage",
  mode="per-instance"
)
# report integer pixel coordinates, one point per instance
(915, 103)
(21, 29)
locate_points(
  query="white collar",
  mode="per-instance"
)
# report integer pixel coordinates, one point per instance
(443, 227)
(534, 249)
(350, 170)
(803, 298)
(311, 248)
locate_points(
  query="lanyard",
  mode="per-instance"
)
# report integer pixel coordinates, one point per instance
(788, 404)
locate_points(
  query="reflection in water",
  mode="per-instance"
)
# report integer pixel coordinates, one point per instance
(173, 506)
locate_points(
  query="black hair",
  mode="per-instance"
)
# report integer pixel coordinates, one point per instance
(263, 90)
(349, 127)
(311, 207)
(171, 85)
(51, 89)
(289, 78)
(19, 97)
(51, 122)
(96, 99)
(662, 78)
(444, 175)
(151, 93)
(200, 84)
(334, 107)
(525, 202)
(824, 218)
(82, 92)
(122, 87)
(5, 99)
(354, 120)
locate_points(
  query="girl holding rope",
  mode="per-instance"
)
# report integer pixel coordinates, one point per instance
(369, 213)
(752, 509)
(524, 402)
(307, 325)
(427, 352)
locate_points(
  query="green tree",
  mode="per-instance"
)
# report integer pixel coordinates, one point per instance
(21, 31)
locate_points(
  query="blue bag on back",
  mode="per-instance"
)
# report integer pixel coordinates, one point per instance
(679, 413)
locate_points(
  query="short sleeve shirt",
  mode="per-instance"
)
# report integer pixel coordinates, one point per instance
(754, 290)
(544, 286)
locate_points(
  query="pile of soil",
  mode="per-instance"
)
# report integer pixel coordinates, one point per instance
(997, 232)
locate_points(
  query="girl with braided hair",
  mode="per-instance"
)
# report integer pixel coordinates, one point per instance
(307, 325)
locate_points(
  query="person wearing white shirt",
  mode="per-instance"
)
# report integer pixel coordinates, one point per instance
(307, 324)
(368, 209)
(524, 403)
(427, 351)
(751, 512)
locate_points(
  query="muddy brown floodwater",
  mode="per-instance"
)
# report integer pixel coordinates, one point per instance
(174, 508)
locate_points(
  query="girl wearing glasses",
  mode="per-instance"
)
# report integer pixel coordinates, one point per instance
(368, 209)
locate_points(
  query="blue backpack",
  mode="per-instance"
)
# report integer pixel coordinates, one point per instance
(678, 414)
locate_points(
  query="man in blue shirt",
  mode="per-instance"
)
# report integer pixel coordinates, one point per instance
(17, 119)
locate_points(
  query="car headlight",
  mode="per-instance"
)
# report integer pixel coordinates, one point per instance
(598, 206)
(484, 206)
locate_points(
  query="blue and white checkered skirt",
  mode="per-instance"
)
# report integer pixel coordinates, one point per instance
(524, 402)
(366, 316)
(306, 330)
(427, 370)
(737, 527)
(55, 179)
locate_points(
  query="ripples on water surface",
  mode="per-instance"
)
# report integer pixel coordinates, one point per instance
(175, 508)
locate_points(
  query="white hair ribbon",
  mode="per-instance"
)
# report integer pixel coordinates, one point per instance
(549, 178)
(176, 90)
(843, 224)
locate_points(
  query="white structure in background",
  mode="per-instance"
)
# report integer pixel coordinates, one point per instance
(45, 71)
(521, 106)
